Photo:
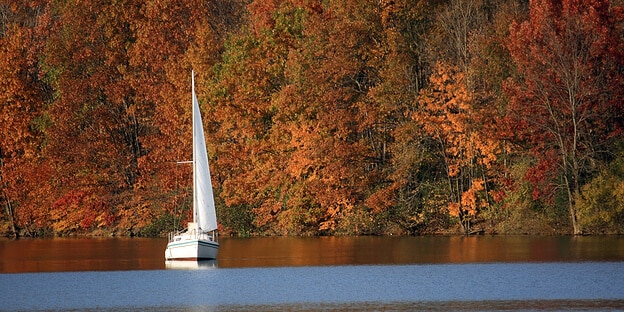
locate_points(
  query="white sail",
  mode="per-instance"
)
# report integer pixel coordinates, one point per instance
(196, 243)
(203, 201)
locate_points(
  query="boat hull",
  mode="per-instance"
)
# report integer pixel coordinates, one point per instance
(193, 249)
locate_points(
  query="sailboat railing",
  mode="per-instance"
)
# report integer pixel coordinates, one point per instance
(193, 234)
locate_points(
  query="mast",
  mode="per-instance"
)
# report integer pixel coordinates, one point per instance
(195, 190)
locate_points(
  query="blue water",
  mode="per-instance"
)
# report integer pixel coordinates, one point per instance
(435, 287)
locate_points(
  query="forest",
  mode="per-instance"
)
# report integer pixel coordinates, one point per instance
(322, 117)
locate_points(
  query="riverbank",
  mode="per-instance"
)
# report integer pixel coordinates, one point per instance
(515, 222)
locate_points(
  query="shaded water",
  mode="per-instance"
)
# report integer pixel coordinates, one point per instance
(280, 251)
(112, 254)
(501, 273)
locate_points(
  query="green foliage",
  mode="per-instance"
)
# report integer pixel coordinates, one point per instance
(41, 123)
(290, 20)
(237, 219)
(358, 222)
(159, 226)
(601, 204)
(420, 212)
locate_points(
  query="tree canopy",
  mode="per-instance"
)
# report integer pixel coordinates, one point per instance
(321, 117)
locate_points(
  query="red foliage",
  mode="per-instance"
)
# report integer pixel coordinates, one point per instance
(542, 177)
(566, 98)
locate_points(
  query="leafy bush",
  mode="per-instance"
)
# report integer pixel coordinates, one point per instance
(601, 204)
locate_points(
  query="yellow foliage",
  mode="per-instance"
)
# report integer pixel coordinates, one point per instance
(600, 207)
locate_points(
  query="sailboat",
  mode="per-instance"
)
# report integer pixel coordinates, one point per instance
(199, 241)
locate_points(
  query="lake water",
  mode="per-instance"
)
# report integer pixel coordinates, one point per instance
(499, 273)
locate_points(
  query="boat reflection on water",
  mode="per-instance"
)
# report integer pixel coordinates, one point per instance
(191, 265)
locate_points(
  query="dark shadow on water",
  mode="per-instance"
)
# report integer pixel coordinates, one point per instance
(489, 305)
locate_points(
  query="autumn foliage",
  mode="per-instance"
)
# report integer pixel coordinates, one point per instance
(449, 116)
(321, 117)
(567, 98)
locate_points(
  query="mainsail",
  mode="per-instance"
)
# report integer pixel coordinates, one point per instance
(203, 201)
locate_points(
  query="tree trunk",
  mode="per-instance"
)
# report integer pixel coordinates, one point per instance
(572, 206)
(9, 212)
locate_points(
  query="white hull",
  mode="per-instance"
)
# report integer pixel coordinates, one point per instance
(191, 245)
(193, 249)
